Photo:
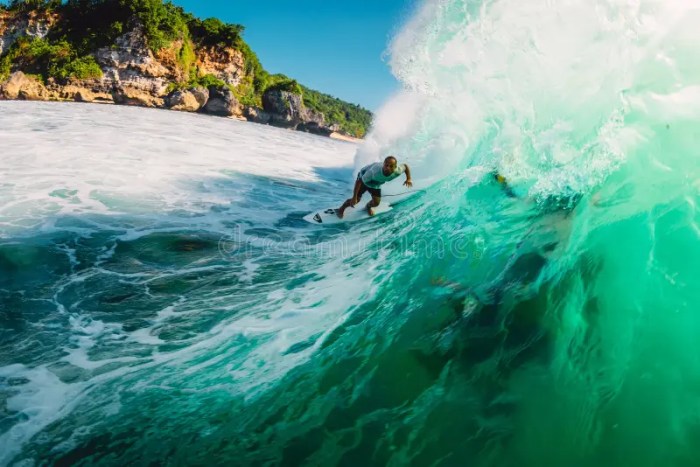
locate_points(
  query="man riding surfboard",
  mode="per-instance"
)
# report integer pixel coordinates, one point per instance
(370, 179)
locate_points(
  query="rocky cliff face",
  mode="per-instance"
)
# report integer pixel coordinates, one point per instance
(32, 24)
(225, 63)
(286, 109)
(130, 65)
(133, 75)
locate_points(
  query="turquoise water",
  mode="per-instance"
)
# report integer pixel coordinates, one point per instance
(162, 300)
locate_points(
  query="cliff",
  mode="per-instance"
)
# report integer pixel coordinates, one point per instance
(153, 54)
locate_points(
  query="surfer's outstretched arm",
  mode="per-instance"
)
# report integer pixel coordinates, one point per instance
(409, 181)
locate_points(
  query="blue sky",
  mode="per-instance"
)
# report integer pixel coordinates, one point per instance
(333, 46)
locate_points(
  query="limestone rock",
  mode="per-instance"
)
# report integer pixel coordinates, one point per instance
(313, 116)
(222, 102)
(78, 93)
(201, 94)
(20, 86)
(226, 63)
(315, 128)
(257, 115)
(286, 108)
(188, 100)
(169, 57)
(136, 96)
(129, 64)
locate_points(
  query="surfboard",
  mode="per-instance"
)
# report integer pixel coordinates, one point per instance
(329, 216)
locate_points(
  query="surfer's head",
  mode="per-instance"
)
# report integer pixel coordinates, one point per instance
(390, 164)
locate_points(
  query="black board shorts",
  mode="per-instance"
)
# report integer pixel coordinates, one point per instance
(375, 192)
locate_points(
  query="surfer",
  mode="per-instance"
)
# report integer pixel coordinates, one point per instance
(371, 178)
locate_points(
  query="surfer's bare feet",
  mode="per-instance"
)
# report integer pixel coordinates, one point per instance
(340, 212)
(370, 211)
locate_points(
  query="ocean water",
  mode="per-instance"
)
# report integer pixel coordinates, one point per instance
(162, 301)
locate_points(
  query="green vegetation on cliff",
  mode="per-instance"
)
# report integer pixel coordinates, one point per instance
(281, 82)
(42, 58)
(351, 118)
(81, 27)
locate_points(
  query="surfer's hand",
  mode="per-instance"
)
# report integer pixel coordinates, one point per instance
(408, 183)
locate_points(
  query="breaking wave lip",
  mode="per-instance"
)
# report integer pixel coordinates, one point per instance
(587, 110)
(544, 93)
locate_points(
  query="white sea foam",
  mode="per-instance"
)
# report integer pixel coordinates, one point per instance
(68, 159)
(88, 170)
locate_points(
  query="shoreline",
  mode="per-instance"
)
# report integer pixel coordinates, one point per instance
(240, 118)
(284, 110)
(342, 137)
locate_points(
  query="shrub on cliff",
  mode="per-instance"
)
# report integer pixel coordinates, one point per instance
(213, 31)
(31, 5)
(163, 22)
(79, 68)
(47, 60)
(186, 58)
(208, 81)
(5, 67)
(91, 24)
(282, 83)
